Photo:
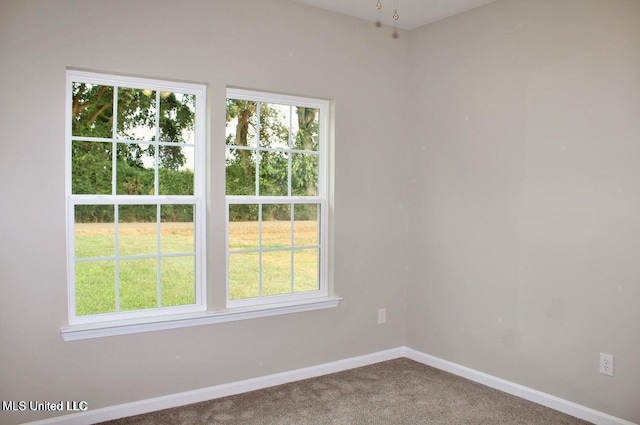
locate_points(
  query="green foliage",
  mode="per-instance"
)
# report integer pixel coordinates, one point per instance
(273, 173)
(92, 161)
(91, 167)
(240, 180)
(92, 110)
(274, 131)
(253, 125)
(175, 182)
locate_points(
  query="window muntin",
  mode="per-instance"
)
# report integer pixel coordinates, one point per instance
(276, 182)
(135, 186)
(275, 250)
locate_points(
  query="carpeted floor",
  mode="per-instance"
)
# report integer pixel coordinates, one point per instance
(398, 391)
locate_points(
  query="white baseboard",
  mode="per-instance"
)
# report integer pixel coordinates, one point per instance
(217, 391)
(553, 402)
(195, 396)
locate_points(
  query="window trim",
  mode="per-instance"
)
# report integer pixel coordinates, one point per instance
(322, 198)
(157, 323)
(203, 313)
(197, 199)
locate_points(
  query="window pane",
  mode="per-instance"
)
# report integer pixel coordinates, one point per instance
(136, 149)
(135, 169)
(91, 169)
(176, 170)
(243, 276)
(242, 124)
(136, 114)
(306, 229)
(305, 270)
(138, 284)
(92, 110)
(304, 174)
(276, 225)
(94, 231)
(95, 287)
(274, 168)
(243, 226)
(282, 163)
(137, 230)
(276, 272)
(275, 122)
(177, 229)
(241, 172)
(178, 280)
(305, 137)
(177, 117)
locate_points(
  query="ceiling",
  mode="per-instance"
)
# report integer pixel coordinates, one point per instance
(412, 13)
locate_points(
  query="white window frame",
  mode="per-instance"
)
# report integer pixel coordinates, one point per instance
(132, 322)
(197, 199)
(321, 199)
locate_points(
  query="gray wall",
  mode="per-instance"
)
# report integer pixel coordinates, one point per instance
(270, 45)
(525, 246)
(494, 153)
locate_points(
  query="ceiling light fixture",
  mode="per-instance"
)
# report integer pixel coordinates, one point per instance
(395, 17)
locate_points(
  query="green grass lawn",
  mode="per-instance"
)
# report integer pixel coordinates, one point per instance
(138, 278)
(276, 265)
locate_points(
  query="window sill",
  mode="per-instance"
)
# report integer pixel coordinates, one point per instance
(123, 327)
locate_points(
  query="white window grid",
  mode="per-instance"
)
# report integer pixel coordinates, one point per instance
(257, 199)
(115, 200)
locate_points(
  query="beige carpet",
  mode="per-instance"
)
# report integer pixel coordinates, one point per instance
(399, 391)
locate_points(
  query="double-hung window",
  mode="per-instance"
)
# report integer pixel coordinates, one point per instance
(135, 193)
(135, 189)
(276, 198)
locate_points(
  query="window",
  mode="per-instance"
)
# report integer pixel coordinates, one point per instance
(276, 187)
(135, 197)
(135, 190)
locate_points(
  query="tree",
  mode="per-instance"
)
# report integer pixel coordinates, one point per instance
(246, 120)
(93, 160)
(92, 112)
(305, 167)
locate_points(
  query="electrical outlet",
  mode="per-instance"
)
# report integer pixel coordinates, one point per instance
(606, 364)
(382, 315)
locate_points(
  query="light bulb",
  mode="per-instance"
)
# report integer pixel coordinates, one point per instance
(379, 5)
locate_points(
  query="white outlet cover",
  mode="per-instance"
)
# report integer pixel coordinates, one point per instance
(606, 364)
(382, 316)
